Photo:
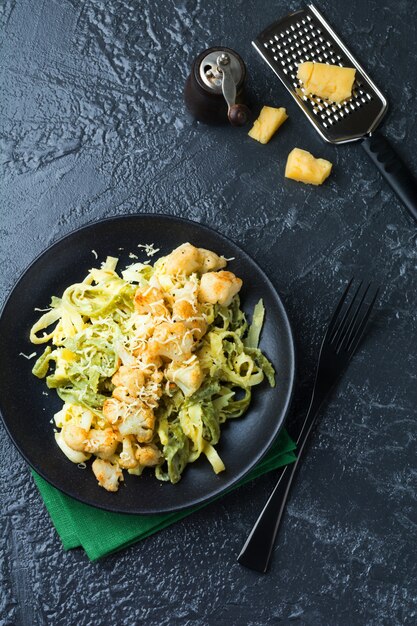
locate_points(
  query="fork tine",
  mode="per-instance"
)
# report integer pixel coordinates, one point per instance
(340, 331)
(349, 331)
(337, 310)
(351, 348)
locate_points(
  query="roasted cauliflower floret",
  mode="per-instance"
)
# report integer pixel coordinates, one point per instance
(156, 377)
(188, 259)
(171, 340)
(111, 410)
(74, 436)
(187, 292)
(127, 456)
(219, 287)
(129, 377)
(188, 376)
(185, 259)
(102, 443)
(122, 395)
(148, 357)
(191, 316)
(148, 455)
(138, 420)
(182, 309)
(108, 474)
(130, 381)
(150, 300)
(198, 326)
(73, 455)
(210, 261)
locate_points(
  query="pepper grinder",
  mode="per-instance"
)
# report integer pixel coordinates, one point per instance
(214, 89)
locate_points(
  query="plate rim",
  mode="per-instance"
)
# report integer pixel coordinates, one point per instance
(291, 374)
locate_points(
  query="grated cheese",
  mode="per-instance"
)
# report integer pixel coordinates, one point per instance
(27, 356)
(150, 249)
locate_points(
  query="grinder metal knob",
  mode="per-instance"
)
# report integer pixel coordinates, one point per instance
(214, 89)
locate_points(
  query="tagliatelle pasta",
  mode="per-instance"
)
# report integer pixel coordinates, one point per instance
(149, 363)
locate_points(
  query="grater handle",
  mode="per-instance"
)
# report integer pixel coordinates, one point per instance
(393, 169)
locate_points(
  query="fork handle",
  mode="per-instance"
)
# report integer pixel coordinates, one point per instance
(393, 169)
(258, 547)
(257, 550)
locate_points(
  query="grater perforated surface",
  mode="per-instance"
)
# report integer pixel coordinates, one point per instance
(306, 36)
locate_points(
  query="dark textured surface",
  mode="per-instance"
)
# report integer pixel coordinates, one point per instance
(93, 125)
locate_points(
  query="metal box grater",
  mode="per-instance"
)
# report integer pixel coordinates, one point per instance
(306, 36)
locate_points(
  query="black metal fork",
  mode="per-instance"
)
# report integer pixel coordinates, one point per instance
(340, 342)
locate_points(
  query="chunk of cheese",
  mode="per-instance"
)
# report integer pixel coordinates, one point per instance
(330, 82)
(304, 167)
(268, 122)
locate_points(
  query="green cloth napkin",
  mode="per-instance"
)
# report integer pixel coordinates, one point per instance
(100, 532)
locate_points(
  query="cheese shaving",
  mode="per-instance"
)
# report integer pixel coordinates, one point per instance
(27, 356)
(150, 249)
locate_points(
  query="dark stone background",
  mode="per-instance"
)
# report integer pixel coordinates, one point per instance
(93, 125)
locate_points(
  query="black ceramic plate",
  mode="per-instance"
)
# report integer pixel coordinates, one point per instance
(27, 411)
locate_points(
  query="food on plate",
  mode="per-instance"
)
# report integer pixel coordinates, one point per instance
(305, 168)
(267, 124)
(330, 82)
(149, 363)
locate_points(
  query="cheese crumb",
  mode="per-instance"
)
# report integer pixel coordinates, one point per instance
(27, 356)
(150, 249)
